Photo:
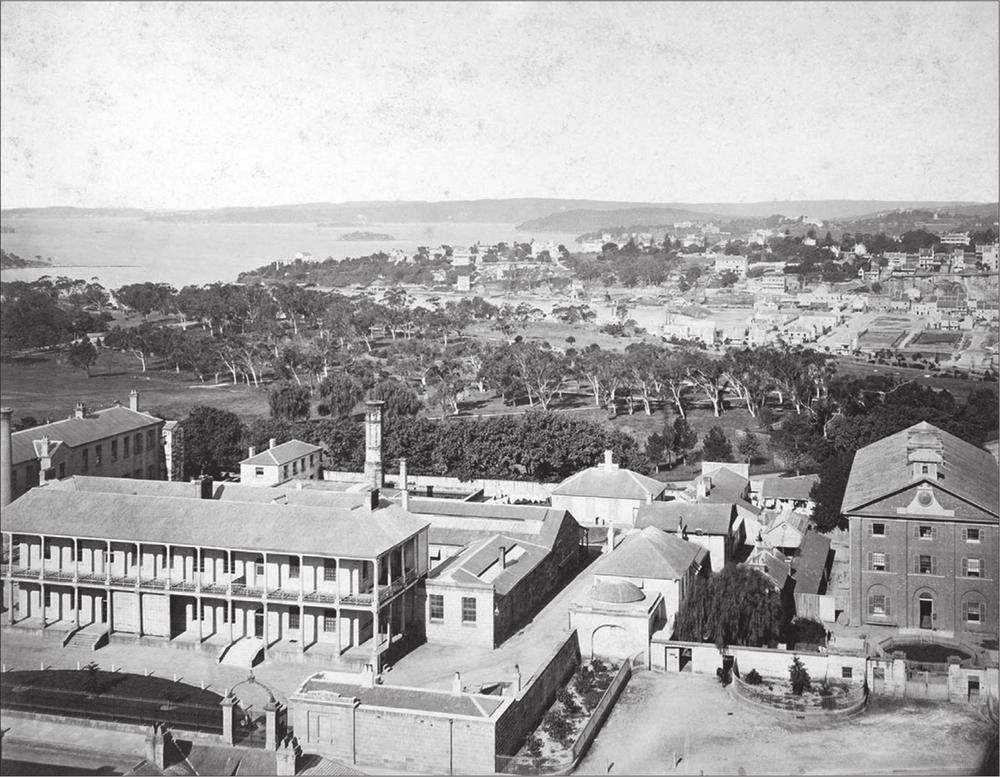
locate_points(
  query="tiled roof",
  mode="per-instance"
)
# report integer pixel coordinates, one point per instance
(393, 697)
(710, 518)
(80, 431)
(209, 523)
(883, 468)
(285, 453)
(613, 483)
(651, 553)
(788, 488)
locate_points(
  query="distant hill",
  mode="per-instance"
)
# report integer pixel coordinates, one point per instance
(535, 214)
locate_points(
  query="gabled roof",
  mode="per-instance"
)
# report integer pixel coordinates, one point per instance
(726, 485)
(885, 467)
(773, 563)
(788, 488)
(810, 563)
(785, 529)
(710, 518)
(75, 432)
(651, 554)
(609, 482)
(285, 453)
(478, 564)
(281, 528)
(454, 522)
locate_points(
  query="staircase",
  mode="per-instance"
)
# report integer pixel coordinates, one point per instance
(242, 652)
(86, 639)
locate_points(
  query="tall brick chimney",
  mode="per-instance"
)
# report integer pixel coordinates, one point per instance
(6, 456)
(80, 411)
(373, 443)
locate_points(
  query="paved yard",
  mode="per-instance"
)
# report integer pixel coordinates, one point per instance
(658, 713)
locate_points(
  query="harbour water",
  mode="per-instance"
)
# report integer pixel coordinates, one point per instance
(117, 251)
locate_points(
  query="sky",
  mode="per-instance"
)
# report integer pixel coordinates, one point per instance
(189, 105)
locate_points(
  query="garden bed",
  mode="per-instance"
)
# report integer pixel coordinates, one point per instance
(778, 693)
(551, 744)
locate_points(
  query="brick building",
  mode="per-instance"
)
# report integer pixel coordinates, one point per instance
(923, 512)
(305, 575)
(118, 441)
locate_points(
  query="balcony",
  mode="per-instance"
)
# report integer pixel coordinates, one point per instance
(92, 577)
(319, 596)
(283, 593)
(215, 588)
(386, 592)
(239, 589)
(359, 599)
(153, 582)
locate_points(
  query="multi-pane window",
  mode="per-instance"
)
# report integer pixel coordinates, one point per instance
(258, 567)
(973, 612)
(312, 459)
(284, 472)
(879, 562)
(972, 534)
(293, 569)
(293, 619)
(878, 604)
(468, 609)
(925, 532)
(972, 567)
(150, 440)
(114, 450)
(138, 444)
(846, 672)
(125, 444)
(329, 620)
(437, 607)
(925, 565)
(878, 529)
(329, 570)
(295, 467)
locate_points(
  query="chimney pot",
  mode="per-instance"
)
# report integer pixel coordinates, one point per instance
(373, 498)
(608, 459)
(502, 557)
(80, 410)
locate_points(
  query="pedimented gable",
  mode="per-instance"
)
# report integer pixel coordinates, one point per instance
(925, 499)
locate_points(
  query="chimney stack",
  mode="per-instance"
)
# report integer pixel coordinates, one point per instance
(80, 410)
(456, 684)
(611, 538)
(253, 451)
(403, 485)
(704, 487)
(373, 443)
(502, 557)
(373, 498)
(207, 487)
(609, 463)
(6, 456)
(133, 401)
(271, 443)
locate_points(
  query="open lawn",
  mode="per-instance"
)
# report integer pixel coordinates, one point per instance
(960, 388)
(47, 386)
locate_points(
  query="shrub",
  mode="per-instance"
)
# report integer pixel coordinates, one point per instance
(533, 745)
(799, 676)
(753, 678)
(725, 675)
(828, 703)
(583, 681)
(599, 667)
(559, 727)
(568, 700)
(808, 631)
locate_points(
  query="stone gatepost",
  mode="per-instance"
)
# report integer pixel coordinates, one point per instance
(286, 758)
(228, 732)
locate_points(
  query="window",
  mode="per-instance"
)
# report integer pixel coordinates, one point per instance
(114, 450)
(925, 565)
(293, 619)
(972, 534)
(295, 468)
(138, 444)
(79, 553)
(284, 472)
(125, 452)
(924, 469)
(878, 529)
(878, 673)
(48, 551)
(846, 672)
(312, 459)
(225, 564)
(150, 440)
(258, 472)
(85, 455)
(97, 455)
(878, 604)
(925, 532)
(437, 607)
(293, 569)
(878, 562)
(329, 620)
(972, 567)
(329, 571)
(225, 614)
(468, 609)
(62, 469)
(48, 597)
(258, 567)
(202, 561)
(973, 612)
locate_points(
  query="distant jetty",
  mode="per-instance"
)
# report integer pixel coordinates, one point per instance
(365, 236)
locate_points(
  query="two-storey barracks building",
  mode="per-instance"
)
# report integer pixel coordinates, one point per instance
(309, 574)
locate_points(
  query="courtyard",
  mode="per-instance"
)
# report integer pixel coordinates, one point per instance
(660, 716)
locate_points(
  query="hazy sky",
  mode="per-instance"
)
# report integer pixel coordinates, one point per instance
(191, 105)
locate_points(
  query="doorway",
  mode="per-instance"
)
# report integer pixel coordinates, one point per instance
(258, 624)
(926, 611)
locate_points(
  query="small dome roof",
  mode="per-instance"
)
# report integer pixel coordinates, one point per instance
(616, 592)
